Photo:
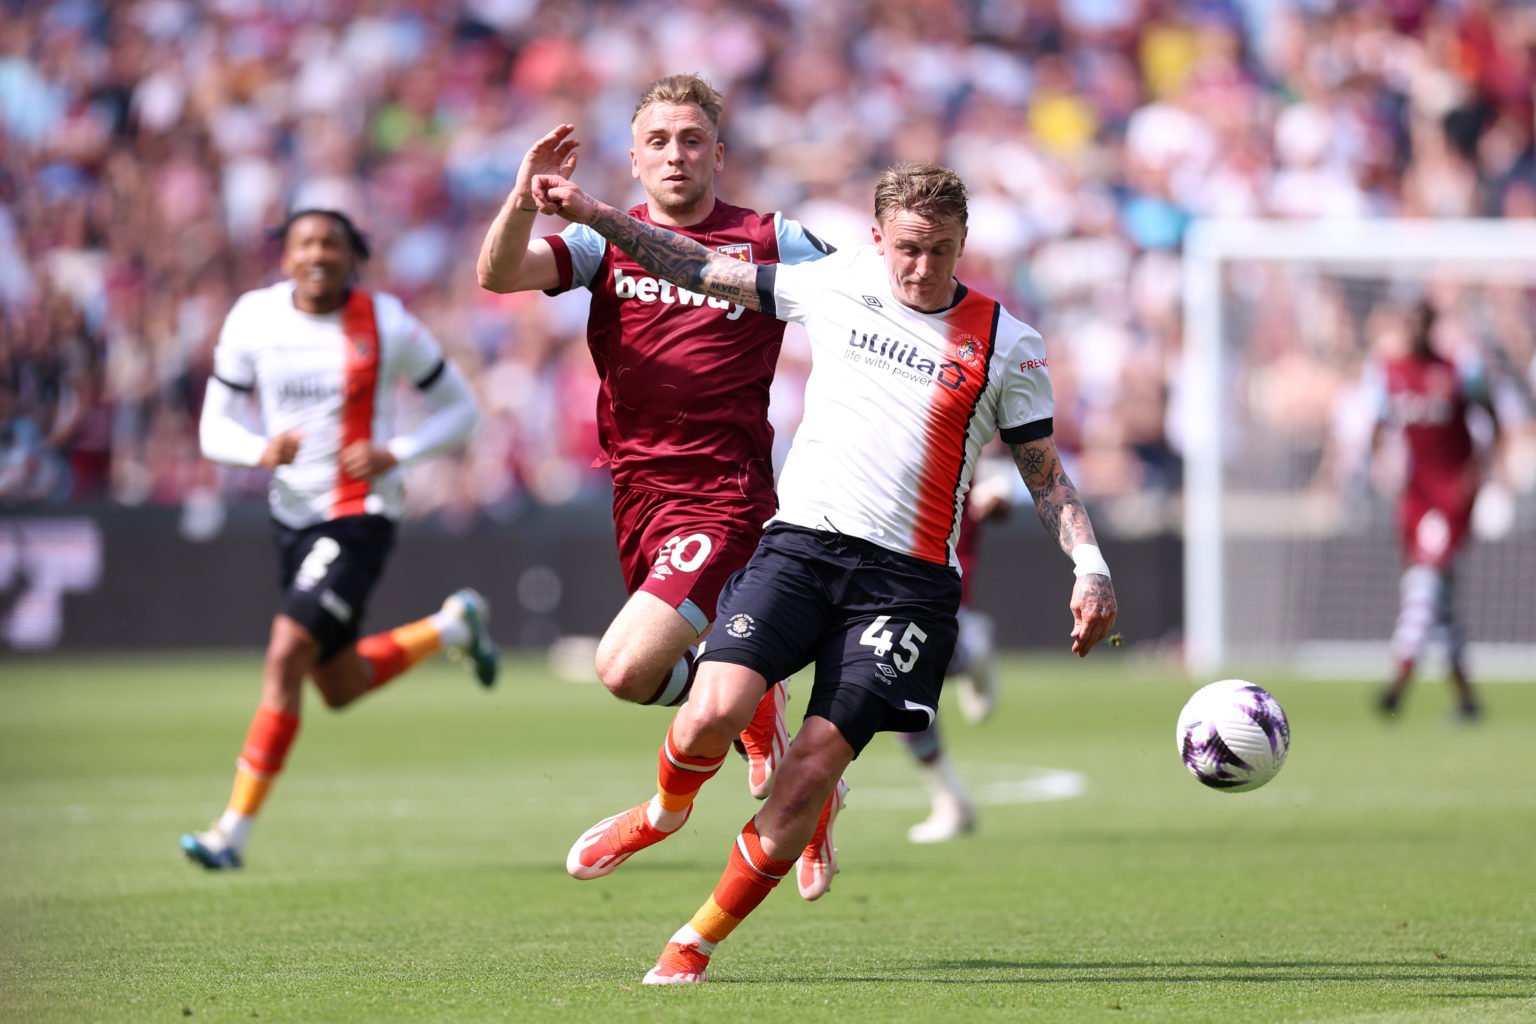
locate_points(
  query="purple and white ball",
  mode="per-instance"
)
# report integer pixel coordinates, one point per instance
(1233, 735)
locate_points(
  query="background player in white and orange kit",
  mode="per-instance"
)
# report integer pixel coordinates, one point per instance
(683, 405)
(1428, 397)
(911, 374)
(324, 357)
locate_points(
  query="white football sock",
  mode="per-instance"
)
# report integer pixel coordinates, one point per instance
(236, 828)
(450, 625)
(663, 819)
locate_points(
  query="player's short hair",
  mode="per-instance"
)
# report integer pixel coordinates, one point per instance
(683, 89)
(355, 238)
(925, 189)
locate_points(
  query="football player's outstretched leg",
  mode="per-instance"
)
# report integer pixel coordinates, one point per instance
(697, 742)
(766, 850)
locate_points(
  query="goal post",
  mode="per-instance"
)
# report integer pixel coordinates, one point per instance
(1285, 569)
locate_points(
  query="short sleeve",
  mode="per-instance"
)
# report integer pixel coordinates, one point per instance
(796, 244)
(1474, 382)
(417, 354)
(585, 249)
(797, 287)
(1026, 398)
(234, 357)
(1373, 391)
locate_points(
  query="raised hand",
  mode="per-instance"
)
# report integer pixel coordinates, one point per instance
(555, 194)
(555, 153)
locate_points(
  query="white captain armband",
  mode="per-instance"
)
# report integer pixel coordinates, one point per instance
(1089, 561)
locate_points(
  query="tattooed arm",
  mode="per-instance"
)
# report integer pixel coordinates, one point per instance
(1061, 511)
(663, 252)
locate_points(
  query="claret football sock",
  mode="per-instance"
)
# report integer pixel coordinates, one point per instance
(674, 689)
(679, 777)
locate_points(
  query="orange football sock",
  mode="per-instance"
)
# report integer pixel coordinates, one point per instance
(679, 776)
(266, 748)
(749, 877)
(392, 652)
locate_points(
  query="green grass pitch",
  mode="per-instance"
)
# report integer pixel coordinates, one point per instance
(409, 866)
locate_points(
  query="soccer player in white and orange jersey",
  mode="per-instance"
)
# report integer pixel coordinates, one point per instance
(324, 357)
(683, 406)
(911, 373)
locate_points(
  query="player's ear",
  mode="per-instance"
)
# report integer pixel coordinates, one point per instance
(719, 157)
(874, 235)
(634, 165)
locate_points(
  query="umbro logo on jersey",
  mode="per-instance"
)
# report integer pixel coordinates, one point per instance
(870, 300)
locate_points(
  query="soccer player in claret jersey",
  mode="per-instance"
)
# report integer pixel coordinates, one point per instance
(683, 405)
(1428, 397)
(324, 357)
(911, 373)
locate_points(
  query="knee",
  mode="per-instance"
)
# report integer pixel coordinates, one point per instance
(289, 658)
(332, 698)
(709, 721)
(286, 664)
(627, 677)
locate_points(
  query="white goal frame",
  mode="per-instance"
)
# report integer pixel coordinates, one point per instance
(1357, 246)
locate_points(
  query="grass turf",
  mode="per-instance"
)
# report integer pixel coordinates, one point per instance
(410, 863)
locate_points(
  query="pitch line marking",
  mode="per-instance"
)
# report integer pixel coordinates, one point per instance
(1037, 785)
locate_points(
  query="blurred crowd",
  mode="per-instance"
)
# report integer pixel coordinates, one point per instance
(147, 146)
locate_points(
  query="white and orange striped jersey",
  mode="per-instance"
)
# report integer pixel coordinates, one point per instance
(899, 403)
(333, 378)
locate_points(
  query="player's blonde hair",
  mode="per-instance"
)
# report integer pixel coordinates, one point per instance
(683, 89)
(926, 189)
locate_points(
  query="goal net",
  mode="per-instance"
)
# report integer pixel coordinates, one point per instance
(1291, 551)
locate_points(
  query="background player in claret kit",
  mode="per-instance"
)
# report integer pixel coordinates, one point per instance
(683, 405)
(911, 374)
(324, 357)
(1428, 397)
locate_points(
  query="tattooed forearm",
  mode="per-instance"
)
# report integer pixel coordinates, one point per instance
(680, 259)
(1056, 499)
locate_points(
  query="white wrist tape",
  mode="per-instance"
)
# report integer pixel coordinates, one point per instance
(1089, 561)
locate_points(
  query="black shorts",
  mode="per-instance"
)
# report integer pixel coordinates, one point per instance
(328, 571)
(878, 622)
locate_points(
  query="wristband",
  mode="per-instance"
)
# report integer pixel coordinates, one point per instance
(529, 209)
(1089, 561)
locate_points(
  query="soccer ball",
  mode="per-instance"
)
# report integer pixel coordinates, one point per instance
(1233, 735)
